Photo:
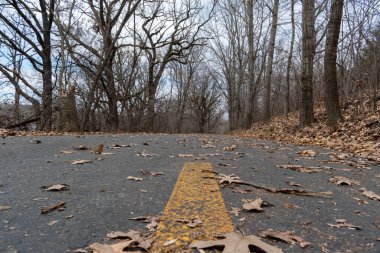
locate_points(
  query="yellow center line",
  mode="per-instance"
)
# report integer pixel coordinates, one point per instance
(196, 194)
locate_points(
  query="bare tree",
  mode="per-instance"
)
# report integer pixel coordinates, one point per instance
(170, 31)
(330, 73)
(290, 57)
(308, 52)
(269, 68)
(37, 21)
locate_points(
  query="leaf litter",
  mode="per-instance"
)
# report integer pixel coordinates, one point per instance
(56, 187)
(287, 237)
(237, 243)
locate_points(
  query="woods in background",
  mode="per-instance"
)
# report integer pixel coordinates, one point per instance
(182, 65)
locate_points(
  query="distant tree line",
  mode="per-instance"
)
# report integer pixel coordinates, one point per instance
(183, 66)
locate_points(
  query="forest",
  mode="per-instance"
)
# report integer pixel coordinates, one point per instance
(183, 65)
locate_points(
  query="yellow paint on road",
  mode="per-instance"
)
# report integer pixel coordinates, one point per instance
(195, 195)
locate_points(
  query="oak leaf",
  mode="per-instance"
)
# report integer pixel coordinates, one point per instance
(134, 178)
(236, 243)
(287, 237)
(229, 179)
(254, 205)
(339, 180)
(56, 187)
(82, 161)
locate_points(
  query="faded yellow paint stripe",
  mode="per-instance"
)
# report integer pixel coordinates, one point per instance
(196, 194)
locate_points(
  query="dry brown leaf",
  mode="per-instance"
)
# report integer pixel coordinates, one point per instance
(192, 223)
(144, 154)
(118, 146)
(80, 147)
(113, 248)
(253, 205)
(82, 161)
(235, 211)
(170, 242)
(208, 146)
(229, 179)
(236, 243)
(231, 148)
(4, 208)
(56, 187)
(98, 150)
(185, 155)
(342, 223)
(134, 178)
(151, 220)
(49, 209)
(294, 184)
(67, 152)
(307, 153)
(80, 251)
(287, 237)
(370, 194)
(134, 235)
(299, 168)
(339, 180)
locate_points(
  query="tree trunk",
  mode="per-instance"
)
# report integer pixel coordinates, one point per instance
(251, 58)
(269, 70)
(68, 111)
(289, 65)
(330, 73)
(112, 122)
(47, 99)
(150, 107)
(308, 52)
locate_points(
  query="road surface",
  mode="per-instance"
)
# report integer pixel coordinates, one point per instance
(101, 199)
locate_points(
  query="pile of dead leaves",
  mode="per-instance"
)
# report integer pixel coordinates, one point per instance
(358, 132)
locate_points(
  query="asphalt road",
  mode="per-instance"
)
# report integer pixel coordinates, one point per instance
(101, 198)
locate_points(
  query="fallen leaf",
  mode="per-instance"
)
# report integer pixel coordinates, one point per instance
(185, 155)
(208, 146)
(287, 237)
(35, 141)
(134, 178)
(253, 205)
(342, 223)
(144, 154)
(229, 179)
(99, 149)
(167, 243)
(107, 153)
(192, 223)
(118, 146)
(231, 148)
(235, 211)
(224, 164)
(3, 208)
(67, 152)
(52, 222)
(339, 180)
(236, 243)
(113, 248)
(49, 209)
(83, 161)
(370, 194)
(294, 184)
(299, 168)
(80, 251)
(80, 147)
(56, 187)
(151, 220)
(307, 153)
